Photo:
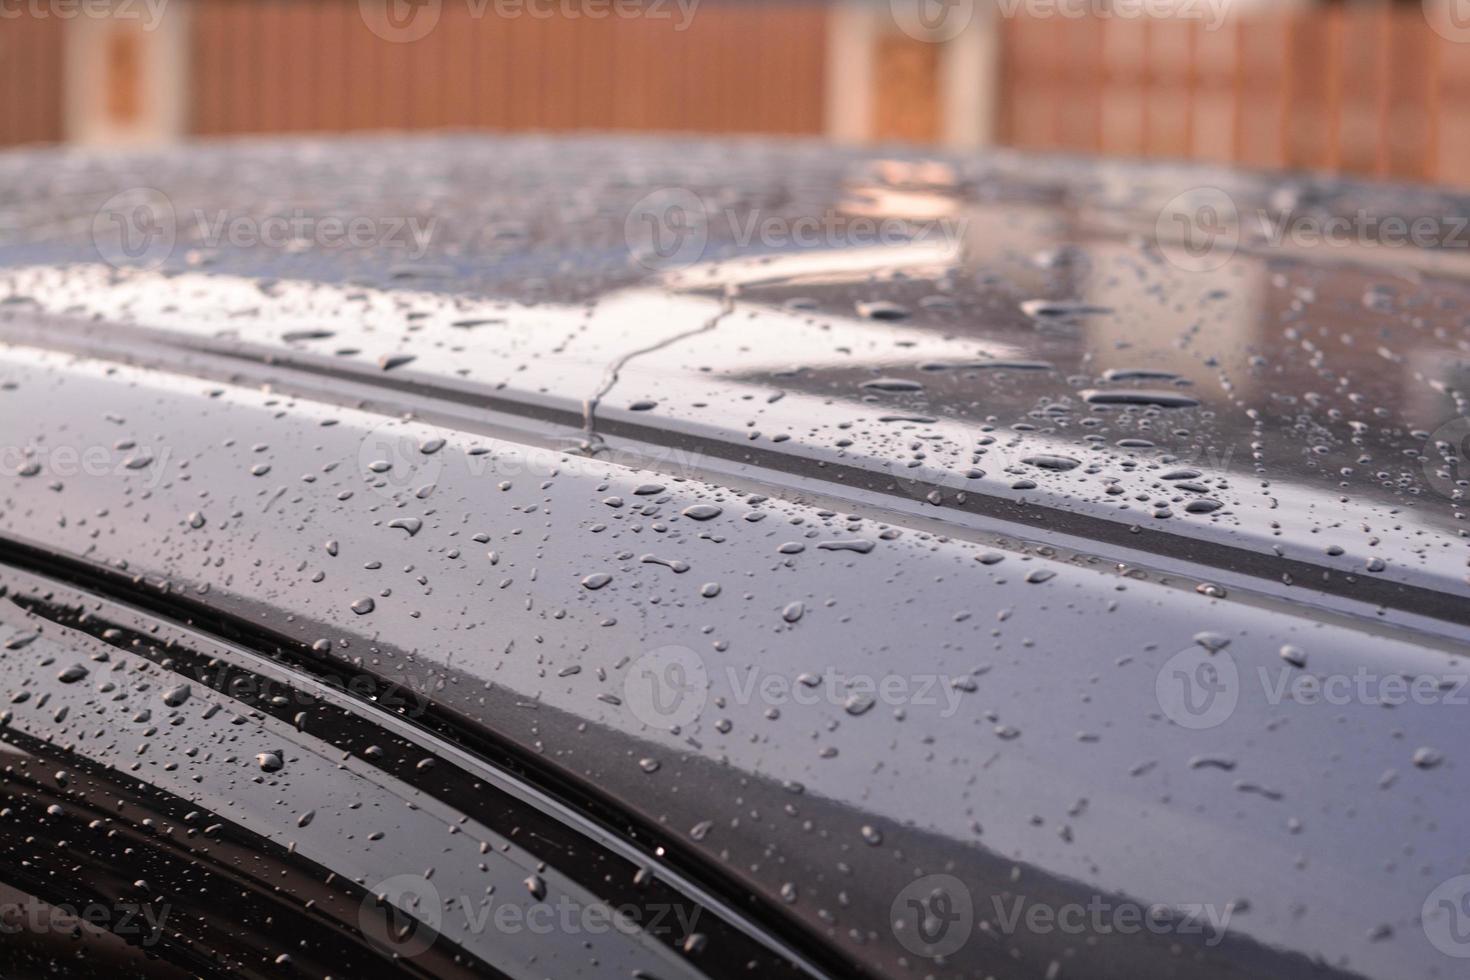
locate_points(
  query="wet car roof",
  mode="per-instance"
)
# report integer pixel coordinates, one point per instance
(1017, 458)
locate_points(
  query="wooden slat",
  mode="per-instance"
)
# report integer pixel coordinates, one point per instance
(270, 83)
(906, 107)
(31, 77)
(1364, 88)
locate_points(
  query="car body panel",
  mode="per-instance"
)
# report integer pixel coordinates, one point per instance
(907, 670)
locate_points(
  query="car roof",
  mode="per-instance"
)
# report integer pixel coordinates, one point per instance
(933, 472)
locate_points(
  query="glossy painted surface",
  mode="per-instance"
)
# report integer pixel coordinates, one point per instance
(152, 772)
(869, 697)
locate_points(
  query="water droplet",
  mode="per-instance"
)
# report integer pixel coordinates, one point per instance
(881, 310)
(1047, 462)
(364, 606)
(679, 566)
(861, 545)
(1138, 374)
(596, 581)
(892, 384)
(1160, 399)
(390, 361)
(410, 524)
(1213, 642)
(72, 674)
(1059, 309)
(1427, 758)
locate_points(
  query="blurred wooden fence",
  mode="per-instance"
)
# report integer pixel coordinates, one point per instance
(30, 80)
(284, 65)
(1361, 88)
(1366, 89)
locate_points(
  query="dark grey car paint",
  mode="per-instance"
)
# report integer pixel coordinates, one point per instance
(237, 399)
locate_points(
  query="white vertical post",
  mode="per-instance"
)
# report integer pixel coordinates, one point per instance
(969, 81)
(852, 42)
(127, 73)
